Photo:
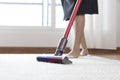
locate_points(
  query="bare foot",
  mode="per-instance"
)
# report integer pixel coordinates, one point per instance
(84, 52)
(73, 54)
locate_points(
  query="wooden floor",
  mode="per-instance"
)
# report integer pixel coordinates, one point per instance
(111, 54)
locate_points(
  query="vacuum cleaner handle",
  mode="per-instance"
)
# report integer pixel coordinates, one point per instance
(63, 42)
(72, 18)
(59, 51)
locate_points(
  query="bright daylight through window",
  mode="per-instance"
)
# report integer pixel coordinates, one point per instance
(31, 13)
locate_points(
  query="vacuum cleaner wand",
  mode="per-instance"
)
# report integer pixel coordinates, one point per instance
(58, 58)
(63, 42)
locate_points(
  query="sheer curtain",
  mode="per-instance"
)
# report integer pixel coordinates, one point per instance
(100, 29)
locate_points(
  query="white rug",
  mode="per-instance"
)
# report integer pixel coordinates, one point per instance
(25, 67)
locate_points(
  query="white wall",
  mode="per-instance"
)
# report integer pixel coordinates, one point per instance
(34, 37)
(118, 23)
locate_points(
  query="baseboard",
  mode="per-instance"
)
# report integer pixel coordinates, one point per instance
(104, 51)
(38, 50)
(29, 50)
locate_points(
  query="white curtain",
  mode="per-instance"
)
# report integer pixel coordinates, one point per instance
(100, 29)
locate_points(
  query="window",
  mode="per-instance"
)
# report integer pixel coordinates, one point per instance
(40, 13)
(59, 16)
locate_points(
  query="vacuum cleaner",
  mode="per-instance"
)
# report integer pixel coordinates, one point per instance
(58, 58)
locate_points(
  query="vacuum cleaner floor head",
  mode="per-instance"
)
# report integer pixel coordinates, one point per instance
(54, 59)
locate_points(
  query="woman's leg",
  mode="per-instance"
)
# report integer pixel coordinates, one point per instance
(84, 47)
(79, 32)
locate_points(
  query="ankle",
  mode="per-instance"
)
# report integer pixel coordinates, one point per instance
(74, 54)
(84, 52)
(76, 50)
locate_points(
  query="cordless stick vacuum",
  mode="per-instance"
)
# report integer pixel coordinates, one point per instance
(58, 58)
